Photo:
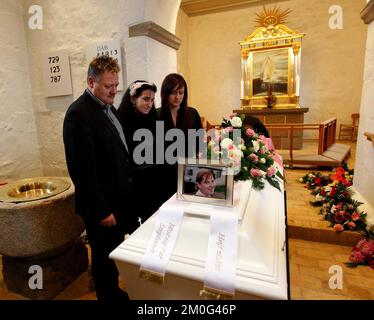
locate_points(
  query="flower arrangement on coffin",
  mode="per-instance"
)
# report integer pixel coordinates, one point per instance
(251, 152)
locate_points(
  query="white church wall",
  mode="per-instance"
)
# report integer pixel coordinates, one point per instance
(364, 169)
(181, 31)
(74, 25)
(331, 63)
(19, 151)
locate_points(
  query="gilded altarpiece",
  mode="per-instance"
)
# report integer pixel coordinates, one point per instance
(271, 64)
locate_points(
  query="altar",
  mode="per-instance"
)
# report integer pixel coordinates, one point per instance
(261, 268)
(271, 76)
(280, 137)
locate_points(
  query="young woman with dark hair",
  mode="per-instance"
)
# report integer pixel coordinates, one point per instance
(176, 113)
(137, 111)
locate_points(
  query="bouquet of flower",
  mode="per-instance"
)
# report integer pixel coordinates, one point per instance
(313, 180)
(344, 215)
(362, 254)
(247, 151)
(333, 193)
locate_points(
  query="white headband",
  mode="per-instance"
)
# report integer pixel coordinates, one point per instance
(136, 85)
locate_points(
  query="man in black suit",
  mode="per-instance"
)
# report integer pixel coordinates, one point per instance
(99, 165)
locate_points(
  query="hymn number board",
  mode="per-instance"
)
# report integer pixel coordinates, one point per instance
(110, 48)
(56, 71)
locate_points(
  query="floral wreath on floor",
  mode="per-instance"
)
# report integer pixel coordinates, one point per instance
(248, 151)
(332, 192)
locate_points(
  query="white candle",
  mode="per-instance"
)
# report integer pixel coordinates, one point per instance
(297, 91)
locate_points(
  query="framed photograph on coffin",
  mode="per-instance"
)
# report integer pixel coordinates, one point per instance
(205, 182)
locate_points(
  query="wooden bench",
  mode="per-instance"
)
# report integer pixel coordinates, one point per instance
(330, 154)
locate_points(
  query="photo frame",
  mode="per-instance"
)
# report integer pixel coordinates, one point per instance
(205, 182)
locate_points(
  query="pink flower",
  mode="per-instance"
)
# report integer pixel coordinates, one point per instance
(250, 132)
(366, 247)
(262, 150)
(269, 144)
(271, 171)
(229, 129)
(351, 225)
(253, 157)
(355, 216)
(357, 257)
(262, 138)
(255, 173)
(233, 115)
(360, 244)
(338, 227)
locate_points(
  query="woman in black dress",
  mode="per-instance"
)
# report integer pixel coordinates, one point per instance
(137, 111)
(176, 114)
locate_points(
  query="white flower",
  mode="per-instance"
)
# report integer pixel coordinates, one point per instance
(301, 180)
(242, 147)
(262, 160)
(235, 154)
(311, 175)
(225, 143)
(236, 122)
(256, 145)
(319, 197)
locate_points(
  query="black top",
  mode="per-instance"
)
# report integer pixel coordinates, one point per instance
(145, 175)
(133, 121)
(187, 118)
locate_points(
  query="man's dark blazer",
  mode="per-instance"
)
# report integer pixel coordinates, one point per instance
(98, 164)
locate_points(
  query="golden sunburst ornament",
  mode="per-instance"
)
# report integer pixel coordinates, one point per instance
(272, 17)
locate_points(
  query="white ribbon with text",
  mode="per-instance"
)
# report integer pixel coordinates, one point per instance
(220, 266)
(163, 239)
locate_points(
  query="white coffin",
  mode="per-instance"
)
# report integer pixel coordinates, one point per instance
(261, 271)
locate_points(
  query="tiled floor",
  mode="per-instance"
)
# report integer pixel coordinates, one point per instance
(310, 261)
(309, 272)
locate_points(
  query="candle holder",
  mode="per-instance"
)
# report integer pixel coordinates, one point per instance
(271, 100)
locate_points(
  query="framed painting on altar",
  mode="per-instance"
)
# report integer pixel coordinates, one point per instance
(205, 182)
(270, 68)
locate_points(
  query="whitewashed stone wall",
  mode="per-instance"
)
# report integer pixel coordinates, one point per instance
(71, 25)
(19, 151)
(364, 170)
(75, 24)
